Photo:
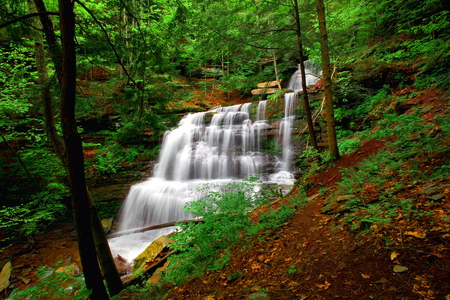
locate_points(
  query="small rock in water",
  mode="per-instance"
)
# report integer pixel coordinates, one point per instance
(107, 224)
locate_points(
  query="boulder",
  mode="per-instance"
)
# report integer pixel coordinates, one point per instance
(150, 253)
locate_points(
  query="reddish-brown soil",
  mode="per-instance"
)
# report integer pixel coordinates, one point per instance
(315, 257)
(57, 244)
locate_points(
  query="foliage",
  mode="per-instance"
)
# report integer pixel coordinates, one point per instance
(348, 146)
(361, 110)
(31, 204)
(377, 200)
(112, 158)
(58, 284)
(224, 210)
(311, 160)
(17, 77)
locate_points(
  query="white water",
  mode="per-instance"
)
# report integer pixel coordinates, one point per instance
(196, 153)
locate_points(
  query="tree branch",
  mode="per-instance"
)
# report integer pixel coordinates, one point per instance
(119, 60)
(24, 17)
(153, 227)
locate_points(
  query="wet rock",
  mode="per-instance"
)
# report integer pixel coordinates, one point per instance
(107, 224)
(150, 253)
(154, 279)
(123, 267)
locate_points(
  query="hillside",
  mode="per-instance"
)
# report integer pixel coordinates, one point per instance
(376, 224)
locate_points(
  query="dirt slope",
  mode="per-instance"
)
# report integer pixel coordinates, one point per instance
(314, 257)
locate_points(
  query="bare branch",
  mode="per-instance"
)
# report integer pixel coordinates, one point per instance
(119, 60)
(24, 17)
(153, 227)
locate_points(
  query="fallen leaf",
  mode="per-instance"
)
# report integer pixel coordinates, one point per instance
(438, 255)
(25, 280)
(400, 269)
(365, 276)
(4, 276)
(26, 271)
(417, 234)
(382, 281)
(394, 255)
(324, 286)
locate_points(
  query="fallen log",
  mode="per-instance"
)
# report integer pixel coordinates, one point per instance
(268, 91)
(269, 84)
(153, 227)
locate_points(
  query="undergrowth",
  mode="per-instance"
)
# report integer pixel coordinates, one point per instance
(225, 212)
(377, 183)
(54, 284)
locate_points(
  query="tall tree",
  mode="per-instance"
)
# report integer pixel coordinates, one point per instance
(312, 134)
(326, 71)
(75, 161)
(105, 258)
(41, 65)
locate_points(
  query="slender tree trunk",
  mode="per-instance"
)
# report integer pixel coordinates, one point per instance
(109, 268)
(47, 26)
(72, 139)
(46, 98)
(275, 67)
(106, 260)
(328, 91)
(312, 134)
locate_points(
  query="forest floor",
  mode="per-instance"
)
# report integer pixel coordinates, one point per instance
(313, 256)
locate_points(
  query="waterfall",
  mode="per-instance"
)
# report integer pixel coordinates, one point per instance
(208, 147)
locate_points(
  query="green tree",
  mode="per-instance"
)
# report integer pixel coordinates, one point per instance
(328, 93)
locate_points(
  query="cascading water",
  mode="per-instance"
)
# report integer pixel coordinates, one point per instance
(286, 124)
(208, 147)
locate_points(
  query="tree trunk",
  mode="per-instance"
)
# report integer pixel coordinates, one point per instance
(106, 260)
(46, 98)
(47, 26)
(328, 91)
(72, 139)
(275, 67)
(312, 134)
(109, 268)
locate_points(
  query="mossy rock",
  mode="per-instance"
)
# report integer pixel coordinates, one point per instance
(151, 252)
